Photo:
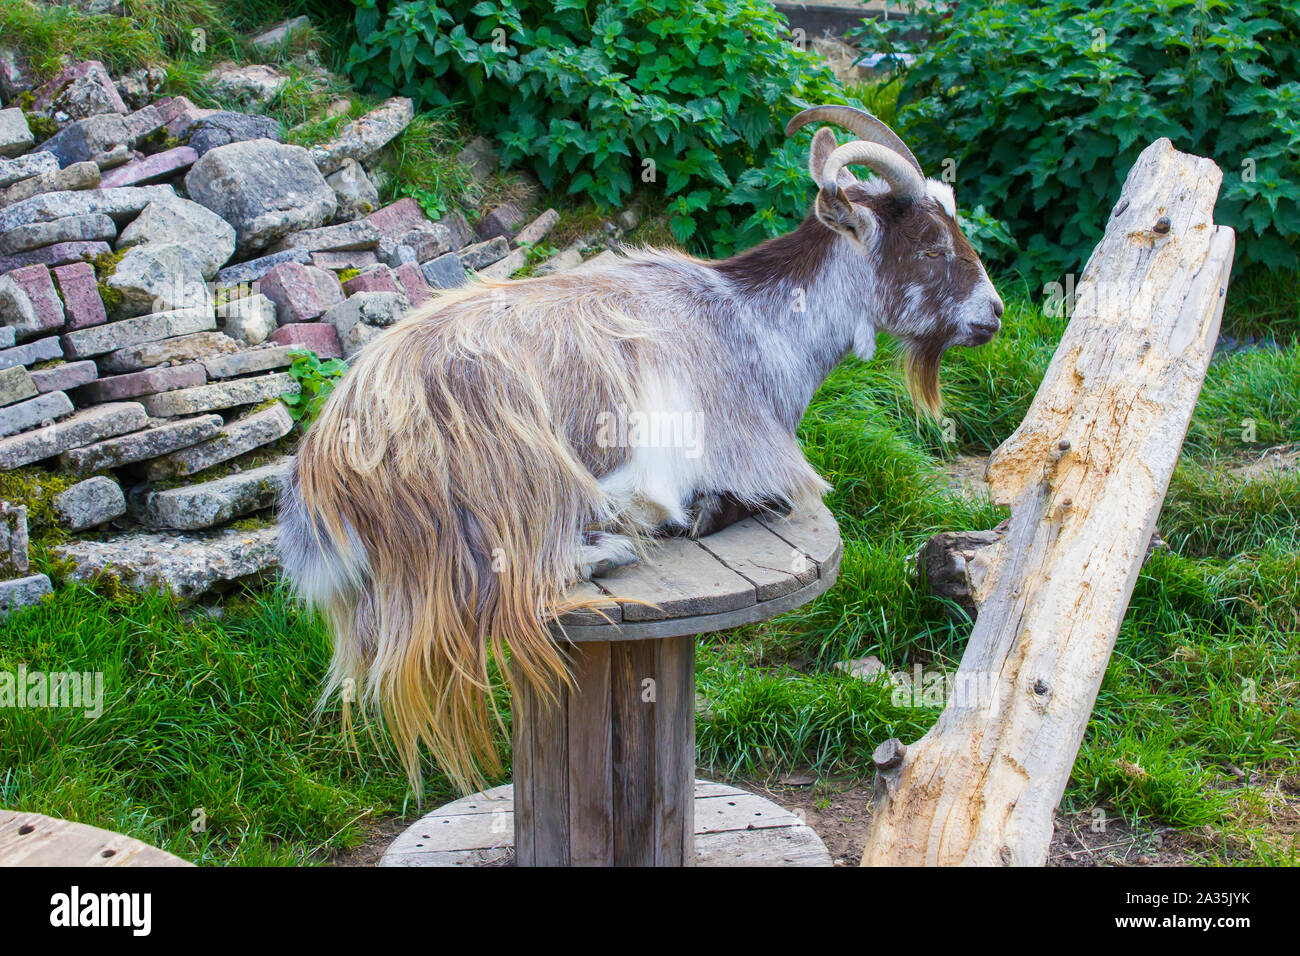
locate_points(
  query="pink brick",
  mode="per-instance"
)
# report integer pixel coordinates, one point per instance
(180, 114)
(58, 254)
(316, 337)
(117, 388)
(88, 72)
(300, 293)
(413, 284)
(35, 281)
(150, 169)
(375, 280)
(398, 218)
(81, 302)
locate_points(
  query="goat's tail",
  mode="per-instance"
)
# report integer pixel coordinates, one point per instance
(434, 516)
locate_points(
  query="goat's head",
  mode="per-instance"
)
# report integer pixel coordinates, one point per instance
(929, 287)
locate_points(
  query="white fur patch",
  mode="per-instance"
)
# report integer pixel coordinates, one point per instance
(942, 194)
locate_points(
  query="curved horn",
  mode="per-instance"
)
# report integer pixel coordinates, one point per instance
(904, 181)
(858, 122)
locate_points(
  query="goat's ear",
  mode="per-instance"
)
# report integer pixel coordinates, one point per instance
(823, 144)
(836, 212)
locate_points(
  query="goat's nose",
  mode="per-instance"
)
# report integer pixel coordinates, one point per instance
(997, 307)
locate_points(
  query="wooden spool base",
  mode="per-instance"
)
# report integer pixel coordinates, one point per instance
(33, 839)
(732, 828)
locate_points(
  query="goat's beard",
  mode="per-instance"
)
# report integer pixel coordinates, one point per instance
(921, 372)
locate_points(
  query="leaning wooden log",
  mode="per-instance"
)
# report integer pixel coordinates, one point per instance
(1084, 475)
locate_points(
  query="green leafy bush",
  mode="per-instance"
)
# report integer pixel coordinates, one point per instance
(317, 380)
(601, 96)
(1045, 106)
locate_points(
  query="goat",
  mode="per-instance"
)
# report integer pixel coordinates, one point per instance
(461, 477)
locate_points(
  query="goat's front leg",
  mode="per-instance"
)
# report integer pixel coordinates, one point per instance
(713, 511)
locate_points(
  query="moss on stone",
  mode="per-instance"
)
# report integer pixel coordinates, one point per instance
(346, 274)
(42, 127)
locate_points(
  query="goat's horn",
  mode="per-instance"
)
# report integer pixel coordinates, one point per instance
(858, 122)
(904, 181)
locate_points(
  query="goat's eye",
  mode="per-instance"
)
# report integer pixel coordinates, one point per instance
(931, 254)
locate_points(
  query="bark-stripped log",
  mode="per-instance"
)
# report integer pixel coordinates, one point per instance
(1085, 475)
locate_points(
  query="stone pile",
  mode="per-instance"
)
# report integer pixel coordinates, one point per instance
(160, 267)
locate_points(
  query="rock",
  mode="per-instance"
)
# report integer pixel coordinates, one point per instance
(141, 446)
(188, 565)
(88, 503)
(863, 668)
(281, 32)
(211, 503)
(76, 176)
(445, 272)
(25, 167)
(336, 261)
(83, 428)
(16, 385)
(503, 220)
(239, 437)
(23, 592)
(181, 348)
(629, 218)
(561, 262)
(379, 279)
(206, 398)
(28, 302)
(248, 361)
(77, 284)
(162, 277)
(262, 188)
(33, 413)
(70, 229)
(300, 293)
(59, 254)
(315, 337)
(365, 136)
(398, 218)
(142, 123)
(112, 158)
(15, 136)
(65, 376)
(483, 254)
(14, 558)
(603, 260)
(223, 128)
(82, 141)
(82, 90)
(113, 336)
(355, 193)
(505, 268)
(138, 87)
(122, 204)
(40, 350)
(182, 222)
(116, 388)
(480, 157)
(253, 85)
(342, 237)
(248, 319)
(152, 169)
(360, 318)
(16, 75)
(538, 229)
(7, 338)
(179, 116)
(254, 269)
(461, 233)
(412, 283)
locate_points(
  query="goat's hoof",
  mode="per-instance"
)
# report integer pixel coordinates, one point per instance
(606, 565)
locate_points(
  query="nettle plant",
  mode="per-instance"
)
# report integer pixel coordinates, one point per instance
(1046, 105)
(601, 97)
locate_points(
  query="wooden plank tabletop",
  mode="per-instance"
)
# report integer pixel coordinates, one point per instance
(748, 572)
(33, 839)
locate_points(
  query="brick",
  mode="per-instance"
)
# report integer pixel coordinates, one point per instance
(151, 169)
(141, 445)
(89, 503)
(483, 254)
(249, 361)
(412, 281)
(398, 218)
(59, 254)
(182, 348)
(313, 337)
(255, 269)
(46, 313)
(299, 292)
(102, 339)
(18, 593)
(206, 398)
(380, 279)
(237, 438)
(33, 413)
(85, 427)
(40, 350)
(445, 272)
(116, 388)
(356, 259)
(65, 376)
(16, 385)
(82, 305)
(204, 505)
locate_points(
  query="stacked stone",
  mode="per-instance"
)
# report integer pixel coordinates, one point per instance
(160, 267)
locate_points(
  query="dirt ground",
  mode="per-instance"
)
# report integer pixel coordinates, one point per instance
(839, 810)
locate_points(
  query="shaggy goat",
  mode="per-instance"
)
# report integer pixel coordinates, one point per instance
(462, 475)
